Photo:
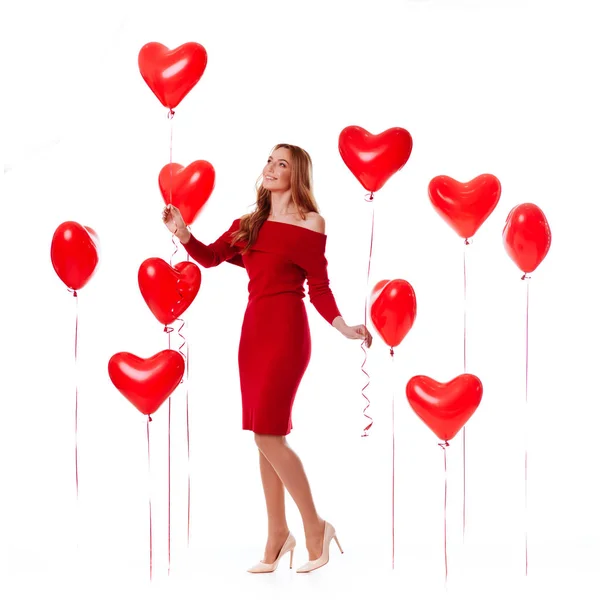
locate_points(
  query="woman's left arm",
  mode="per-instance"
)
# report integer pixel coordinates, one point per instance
(353, 332)
(314, 263)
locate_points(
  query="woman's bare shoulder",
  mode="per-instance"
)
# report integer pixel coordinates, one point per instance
(315, 221)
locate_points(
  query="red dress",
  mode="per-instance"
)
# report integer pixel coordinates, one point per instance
(275, 344)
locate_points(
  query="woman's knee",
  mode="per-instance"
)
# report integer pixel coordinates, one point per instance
(267, 442)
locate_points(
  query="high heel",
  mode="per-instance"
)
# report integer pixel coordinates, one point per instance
(288, 546)
(328, 535)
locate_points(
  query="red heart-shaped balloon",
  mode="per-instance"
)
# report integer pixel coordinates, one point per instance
(373, 159)
(393, 310)
(444, 407)
(527, 236)
(187, 188)
(74, 253)
(171, 74)
(464, 206)
(168, 291)
(146, 382)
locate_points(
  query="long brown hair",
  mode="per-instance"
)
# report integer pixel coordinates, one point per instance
(302, 197)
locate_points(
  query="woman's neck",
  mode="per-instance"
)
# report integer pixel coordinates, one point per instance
(281, 205)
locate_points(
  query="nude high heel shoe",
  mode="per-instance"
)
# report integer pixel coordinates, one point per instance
(288, 546)
(328, 535)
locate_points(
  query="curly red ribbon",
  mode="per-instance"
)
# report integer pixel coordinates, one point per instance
(183, 344)
(368, 198)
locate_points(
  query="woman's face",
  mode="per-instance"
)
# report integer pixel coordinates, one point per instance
(277, 171)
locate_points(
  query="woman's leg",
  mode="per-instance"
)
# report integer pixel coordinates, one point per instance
(275, 499)
(288, 467)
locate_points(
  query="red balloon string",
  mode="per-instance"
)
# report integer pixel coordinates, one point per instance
(368, 198)
(169, 480)
(393, 465)
(187, 418)
(171, 114)
(189, 495)
(526, 278)
(149, 491)
(76, 394)
(185, 358)
(187, 414)
(170, 117)
(464, 431)
(465, 306)
(169, 330)
(443, 446)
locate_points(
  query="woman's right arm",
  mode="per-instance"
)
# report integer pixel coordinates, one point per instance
(209, 255)
(213, 254)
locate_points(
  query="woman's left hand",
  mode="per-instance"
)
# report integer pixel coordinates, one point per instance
(353, 332)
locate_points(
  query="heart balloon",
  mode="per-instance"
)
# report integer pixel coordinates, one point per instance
(444, 407)
(171, 74)
(527, 236)
(168, 291)
(373, 159)
(464, 206)
(187, 188)
(74, 253)
(393, 310)
(146, 382)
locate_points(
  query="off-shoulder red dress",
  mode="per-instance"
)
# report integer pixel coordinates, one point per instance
(275, 343)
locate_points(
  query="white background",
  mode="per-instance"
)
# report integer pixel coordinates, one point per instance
(502, 87)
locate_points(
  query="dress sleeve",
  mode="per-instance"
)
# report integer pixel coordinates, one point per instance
(219, 251)
(312, 260)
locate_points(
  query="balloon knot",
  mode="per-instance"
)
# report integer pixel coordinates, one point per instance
(391, 352)
(443, 445)
(74, 294)
(467, 242)
(171, 113)
(525, 276)
(149, 419)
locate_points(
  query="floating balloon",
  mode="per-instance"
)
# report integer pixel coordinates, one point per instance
(444, 407)
(464, 206)
(171, 74)
(146, 382)
(393, 310)
(168, 291)
(373, 159)
(527, 236)
(74, 253)
(187, 188)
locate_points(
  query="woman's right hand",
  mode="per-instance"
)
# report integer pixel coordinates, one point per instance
(175, 224)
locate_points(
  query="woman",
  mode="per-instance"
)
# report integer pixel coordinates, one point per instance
(280, 244)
